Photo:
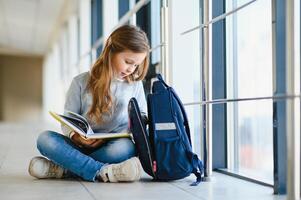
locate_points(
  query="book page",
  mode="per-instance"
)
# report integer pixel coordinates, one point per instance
(80, 125)
(73, 123)
(109, 135)
(89, 130)
(76, 122)
(79, 117)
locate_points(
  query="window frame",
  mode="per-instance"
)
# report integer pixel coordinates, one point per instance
(96, 23)
(219, 114)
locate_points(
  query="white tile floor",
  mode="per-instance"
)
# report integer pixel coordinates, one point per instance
(17, 146)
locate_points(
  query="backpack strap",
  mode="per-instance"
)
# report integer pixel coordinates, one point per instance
(198, 170)
(183, 112)
(159, 77)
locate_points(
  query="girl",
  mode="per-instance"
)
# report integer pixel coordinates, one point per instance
(102, 97)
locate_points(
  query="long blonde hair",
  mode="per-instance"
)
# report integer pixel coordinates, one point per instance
(124, 38)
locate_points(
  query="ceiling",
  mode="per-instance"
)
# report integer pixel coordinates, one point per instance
(27, 26)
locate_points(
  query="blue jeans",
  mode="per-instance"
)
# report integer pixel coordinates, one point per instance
(83, 162)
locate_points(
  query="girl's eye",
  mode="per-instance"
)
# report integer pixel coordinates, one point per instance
(131, 63)
(128, 62)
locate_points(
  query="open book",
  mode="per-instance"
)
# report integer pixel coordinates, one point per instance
(80, 125)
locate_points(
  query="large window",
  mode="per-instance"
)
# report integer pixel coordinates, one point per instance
(249, 74)
(96, 23)
(184, 69)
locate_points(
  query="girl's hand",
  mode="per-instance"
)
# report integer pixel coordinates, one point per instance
(87, 143)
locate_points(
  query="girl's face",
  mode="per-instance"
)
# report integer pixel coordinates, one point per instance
(126, 62)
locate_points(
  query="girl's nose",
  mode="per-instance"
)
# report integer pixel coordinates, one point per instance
(131, 69)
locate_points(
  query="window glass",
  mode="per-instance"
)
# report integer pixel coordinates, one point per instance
(249, 74)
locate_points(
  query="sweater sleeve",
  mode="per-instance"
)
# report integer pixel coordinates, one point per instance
(72, 103)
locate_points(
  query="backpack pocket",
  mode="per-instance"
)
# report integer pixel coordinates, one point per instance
(172, 159)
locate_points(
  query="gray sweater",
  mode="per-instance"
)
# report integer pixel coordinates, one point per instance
(79, 100)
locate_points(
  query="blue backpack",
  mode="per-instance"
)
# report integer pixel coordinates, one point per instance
(163, 141)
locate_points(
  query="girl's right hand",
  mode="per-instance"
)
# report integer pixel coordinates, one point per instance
(87, 143)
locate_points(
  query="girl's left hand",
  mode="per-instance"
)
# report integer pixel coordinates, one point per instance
(88, 143)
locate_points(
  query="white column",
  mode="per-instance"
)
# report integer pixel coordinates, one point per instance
(133, 19)
(53, 93)
(165, 41)
(292, 115)
(110, 16)
(64, 51)
(73, 45)
(85, 34)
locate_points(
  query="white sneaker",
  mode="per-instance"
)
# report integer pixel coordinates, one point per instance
(126, 171)
(41, 167)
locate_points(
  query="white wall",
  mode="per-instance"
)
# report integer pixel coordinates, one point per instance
(69, 55)
(20, 88)
(61, 63)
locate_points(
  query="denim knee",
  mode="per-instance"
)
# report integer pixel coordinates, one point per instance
(47, 142)
(122, 146)
(118, 150)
